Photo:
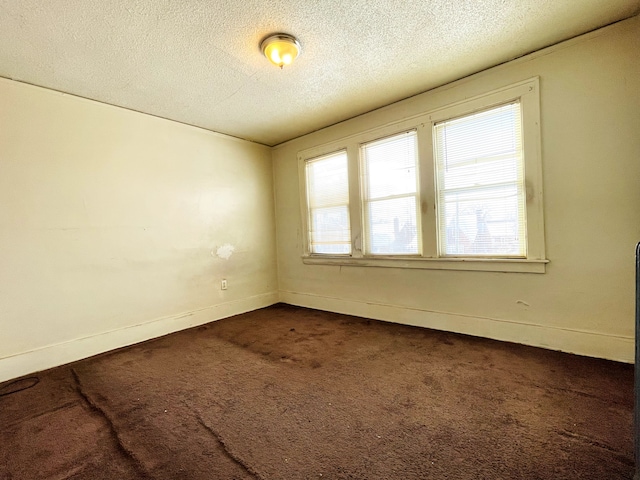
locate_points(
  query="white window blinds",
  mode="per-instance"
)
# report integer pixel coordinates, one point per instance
(328, 199)
(390, 188)
(480, 184)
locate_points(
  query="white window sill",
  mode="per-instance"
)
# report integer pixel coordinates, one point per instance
(518, 265)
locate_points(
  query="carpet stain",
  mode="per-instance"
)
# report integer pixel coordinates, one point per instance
(358, 399)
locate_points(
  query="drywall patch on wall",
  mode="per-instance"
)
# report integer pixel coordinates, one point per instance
(225, 251)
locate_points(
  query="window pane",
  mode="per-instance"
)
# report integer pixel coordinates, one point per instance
(480, 182)
(481, 174)
(392, 225)
(482, 135)
(482, 222)
(391, 195)
(330, 230)
(328, 203)
(390, 165)
(328, 181)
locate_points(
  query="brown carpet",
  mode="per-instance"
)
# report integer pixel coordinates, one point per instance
(293, 393)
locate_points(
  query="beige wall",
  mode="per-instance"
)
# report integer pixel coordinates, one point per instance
(584, 303)
(110, 222)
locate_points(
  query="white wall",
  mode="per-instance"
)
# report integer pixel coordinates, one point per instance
(110, 221)
(584, 303)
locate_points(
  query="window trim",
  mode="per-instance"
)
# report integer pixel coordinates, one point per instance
(527, 92)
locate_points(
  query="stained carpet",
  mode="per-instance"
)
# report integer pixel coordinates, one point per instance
(293, 393)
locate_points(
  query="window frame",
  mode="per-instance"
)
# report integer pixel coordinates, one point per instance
(309, 209)
(366, 201)
(527, 92)
(518, 183)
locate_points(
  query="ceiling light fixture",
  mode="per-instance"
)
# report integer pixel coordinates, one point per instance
(281, 49)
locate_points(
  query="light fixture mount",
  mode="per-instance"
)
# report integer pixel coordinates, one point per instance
(281, 49)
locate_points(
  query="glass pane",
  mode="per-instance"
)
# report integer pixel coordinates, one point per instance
(480, 183)
(390, 166)
(481, 174)
(392, 226)
(483, 222)
(328, 199)
(330, 231)
(485, 134)
(328, 180)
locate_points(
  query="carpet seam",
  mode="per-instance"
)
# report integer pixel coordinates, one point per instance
(112, 429)
(595, 443)
(63, 406)
(228, 452)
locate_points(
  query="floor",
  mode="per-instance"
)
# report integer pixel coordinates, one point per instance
(292, 393)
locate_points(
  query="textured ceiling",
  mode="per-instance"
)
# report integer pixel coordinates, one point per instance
(198, 61)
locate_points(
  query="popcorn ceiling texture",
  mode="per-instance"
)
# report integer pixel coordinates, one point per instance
(198, 61)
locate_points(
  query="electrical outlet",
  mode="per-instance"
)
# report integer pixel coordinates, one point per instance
(223, 284)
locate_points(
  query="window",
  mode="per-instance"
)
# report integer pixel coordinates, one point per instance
(328, 196)
(458, 188)
(480, 184)
(390, 199)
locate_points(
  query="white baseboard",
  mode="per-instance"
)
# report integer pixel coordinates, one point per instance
(59, 354)
(580, 342)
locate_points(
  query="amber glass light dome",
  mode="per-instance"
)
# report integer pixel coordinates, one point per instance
(281, 49)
